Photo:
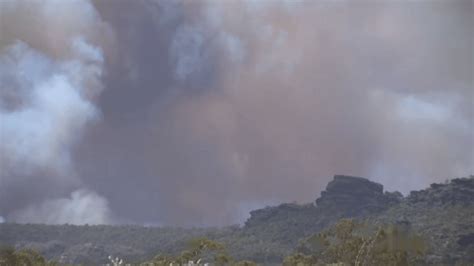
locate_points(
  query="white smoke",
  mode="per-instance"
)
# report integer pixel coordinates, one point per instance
(48, 84)
(51, 110)
(284, 95)
(82, 207)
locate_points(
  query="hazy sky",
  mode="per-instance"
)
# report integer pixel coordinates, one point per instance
(195, 112)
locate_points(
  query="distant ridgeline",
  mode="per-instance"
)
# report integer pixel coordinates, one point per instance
(443, 214)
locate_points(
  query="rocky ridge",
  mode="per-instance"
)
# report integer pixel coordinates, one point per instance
(344, 196)
(356, 196)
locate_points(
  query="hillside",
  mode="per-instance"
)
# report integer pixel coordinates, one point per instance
(442, 213)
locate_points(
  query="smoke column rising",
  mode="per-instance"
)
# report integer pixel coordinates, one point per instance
(48, 82)
(207, 109)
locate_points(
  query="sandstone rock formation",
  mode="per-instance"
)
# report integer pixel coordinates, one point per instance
(353, 196)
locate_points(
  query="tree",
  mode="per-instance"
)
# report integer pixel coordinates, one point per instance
(200, 250)
(25, 257)
(352, 243)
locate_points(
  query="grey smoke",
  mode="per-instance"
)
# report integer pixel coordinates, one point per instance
(210, 109)
(186, 51)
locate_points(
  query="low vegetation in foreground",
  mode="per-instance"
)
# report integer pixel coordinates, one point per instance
(346, 243)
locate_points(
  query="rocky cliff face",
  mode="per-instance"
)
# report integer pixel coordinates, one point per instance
(355, 196)
(345, 196)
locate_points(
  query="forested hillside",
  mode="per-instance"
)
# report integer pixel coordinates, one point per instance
(442, 215)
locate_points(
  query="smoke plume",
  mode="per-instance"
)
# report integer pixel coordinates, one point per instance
(192, 113)
(48, 82)
(82, 207)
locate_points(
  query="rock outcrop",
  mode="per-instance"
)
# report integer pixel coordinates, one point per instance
(355, 196)
(345, 196)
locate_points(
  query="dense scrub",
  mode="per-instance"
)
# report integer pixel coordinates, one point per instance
(348, 243)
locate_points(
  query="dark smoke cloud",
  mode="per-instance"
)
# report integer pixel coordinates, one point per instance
(212, 108)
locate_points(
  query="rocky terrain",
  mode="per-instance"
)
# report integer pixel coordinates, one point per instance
(356, 196)
(443, 214)
(344, 197)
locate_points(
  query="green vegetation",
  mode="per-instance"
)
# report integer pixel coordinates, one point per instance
(346, 243)
(354, 243)
(25, 257)
(387, 232)
(201, 250)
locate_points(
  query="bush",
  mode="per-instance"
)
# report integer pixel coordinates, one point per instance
(351, 243)
(26, 257)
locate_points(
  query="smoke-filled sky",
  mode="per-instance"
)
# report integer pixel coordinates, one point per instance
(195, 112)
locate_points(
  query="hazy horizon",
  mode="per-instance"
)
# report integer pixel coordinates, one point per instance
(192, 113)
